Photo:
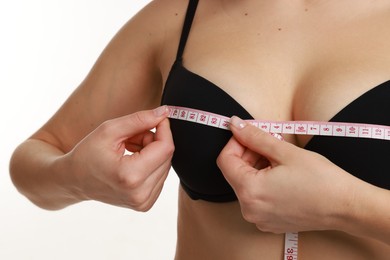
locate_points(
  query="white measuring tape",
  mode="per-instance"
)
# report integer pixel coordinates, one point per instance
(286, 127)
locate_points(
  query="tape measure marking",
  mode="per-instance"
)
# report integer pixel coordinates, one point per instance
(286, 127)
(291, 246)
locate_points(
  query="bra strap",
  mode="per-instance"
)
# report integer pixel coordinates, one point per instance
(186, 27)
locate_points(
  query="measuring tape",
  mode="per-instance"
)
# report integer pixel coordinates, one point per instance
(276, 128)
(286, 127)
(291, 246)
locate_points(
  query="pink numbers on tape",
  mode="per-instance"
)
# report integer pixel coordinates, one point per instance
(291, 246)
(286, 127)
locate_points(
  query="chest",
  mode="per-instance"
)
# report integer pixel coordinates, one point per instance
(294, 72)
(299, 66)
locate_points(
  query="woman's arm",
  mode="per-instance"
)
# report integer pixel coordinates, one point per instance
(98, 168)
(283, 188)
(369, 215)
(126, 78)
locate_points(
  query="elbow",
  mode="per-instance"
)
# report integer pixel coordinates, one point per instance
(27, 186)
(16, 172)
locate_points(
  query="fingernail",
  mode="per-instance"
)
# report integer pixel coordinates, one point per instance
(277, 136)
(238, 122)
(160, 111)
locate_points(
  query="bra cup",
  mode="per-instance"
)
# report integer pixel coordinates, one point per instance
(194, 160)
(198, 146)
(364, 158)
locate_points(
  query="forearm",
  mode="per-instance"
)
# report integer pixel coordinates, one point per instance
(39, 172)
(369, 214)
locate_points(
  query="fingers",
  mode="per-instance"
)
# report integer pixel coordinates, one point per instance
(156, 181)
(144, 192)
(130, 125)
(154, 154)
(109, 175)
(249, 151)
(254, 159)
(142, 139)
(142, 175)
(139, 141)
(232, 164)
(146, 171)
(259, 141)
(163, 132)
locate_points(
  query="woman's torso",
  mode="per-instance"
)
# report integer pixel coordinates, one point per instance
(280, 60)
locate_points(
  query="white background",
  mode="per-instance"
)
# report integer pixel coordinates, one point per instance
(46, 49)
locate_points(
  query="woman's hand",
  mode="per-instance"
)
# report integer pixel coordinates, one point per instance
(104, 172)
(281, 187)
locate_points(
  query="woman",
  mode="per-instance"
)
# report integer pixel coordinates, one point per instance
(276, 60)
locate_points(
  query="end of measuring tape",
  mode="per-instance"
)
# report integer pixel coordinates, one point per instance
(291, 246)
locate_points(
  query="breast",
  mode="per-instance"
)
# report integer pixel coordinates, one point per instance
(362, 157)
(197, 146)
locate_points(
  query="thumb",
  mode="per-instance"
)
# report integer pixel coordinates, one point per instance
(259, 141)
(133, 124)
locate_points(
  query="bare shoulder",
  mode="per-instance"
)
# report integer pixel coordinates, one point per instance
(159, 16)
(162, 20)
(153, 22)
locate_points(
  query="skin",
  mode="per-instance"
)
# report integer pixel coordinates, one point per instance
(259, 187)
(100, 167)
(296, 54)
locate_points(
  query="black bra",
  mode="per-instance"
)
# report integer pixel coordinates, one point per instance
(197, 146)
